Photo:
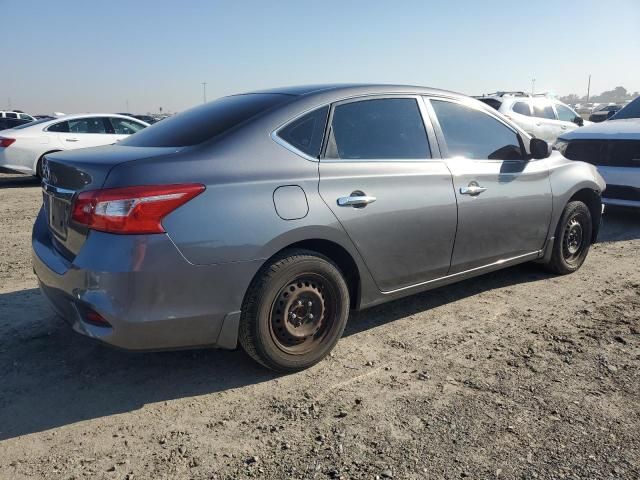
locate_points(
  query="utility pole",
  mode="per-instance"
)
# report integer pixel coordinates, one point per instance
(588, 88)
(127, 106)
(204, 92)
(533, 86)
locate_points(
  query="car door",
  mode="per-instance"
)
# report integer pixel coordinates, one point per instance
(393, 199)
(504, 198)
(85, 132)
(567, 117)
(546, 126)
(123, 127)
(521, 114)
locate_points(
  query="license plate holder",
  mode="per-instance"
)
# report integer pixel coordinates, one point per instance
(57, 215)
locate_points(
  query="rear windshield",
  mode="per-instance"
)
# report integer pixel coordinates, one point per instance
(202, 123)
(492, 102)
(630, 111)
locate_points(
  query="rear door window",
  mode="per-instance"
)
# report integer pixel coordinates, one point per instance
(543, 110)
(387, 128)
(522, 108)
(306, 132)
(89, 125)
(11, 115)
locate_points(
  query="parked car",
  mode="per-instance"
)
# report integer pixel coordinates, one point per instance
(630, 110)
(13, 114)
(23, 147)
(539, 116)
(614, 147)
(145, 118)
(266, 217)
(6, 123)
(584, 108)
(604, 113)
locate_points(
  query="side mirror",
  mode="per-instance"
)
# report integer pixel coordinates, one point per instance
(578, 121)
(539, 148)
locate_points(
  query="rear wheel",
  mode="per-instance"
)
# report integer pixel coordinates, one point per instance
(295, 311)
(572, 240)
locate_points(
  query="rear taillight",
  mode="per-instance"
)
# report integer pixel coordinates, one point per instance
(131, 209)
(5, 142)
(95, 318)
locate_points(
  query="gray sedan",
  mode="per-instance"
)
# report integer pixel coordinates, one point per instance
(266, 217)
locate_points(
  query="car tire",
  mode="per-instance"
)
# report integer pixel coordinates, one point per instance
(295, 311)
(572, 239)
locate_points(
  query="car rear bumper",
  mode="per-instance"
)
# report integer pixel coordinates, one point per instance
(151, 297)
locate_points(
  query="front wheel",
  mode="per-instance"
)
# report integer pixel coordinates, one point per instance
(573, 239)
(294, 312)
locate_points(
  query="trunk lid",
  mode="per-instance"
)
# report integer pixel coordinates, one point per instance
(64, 174)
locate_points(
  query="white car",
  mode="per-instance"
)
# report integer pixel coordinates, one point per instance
(614, 147)
(542, 117)
(12, 114)
(22, 147)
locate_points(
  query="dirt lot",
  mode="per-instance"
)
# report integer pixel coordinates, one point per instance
(517, 374)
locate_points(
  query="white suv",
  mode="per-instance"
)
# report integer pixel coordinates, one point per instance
(20, 115)
(539, 116)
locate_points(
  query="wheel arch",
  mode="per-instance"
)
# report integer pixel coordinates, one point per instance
(591, 198)
(337, 254)
(38, 161)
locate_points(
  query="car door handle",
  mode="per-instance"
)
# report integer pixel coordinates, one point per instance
(71, 139)
(472, 190)
(563, 127)
(355, 201)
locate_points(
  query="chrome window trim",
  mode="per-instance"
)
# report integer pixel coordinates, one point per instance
(417, 95)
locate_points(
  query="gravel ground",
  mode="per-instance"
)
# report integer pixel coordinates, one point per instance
(517, 374)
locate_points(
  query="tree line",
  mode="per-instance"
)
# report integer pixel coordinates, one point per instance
(617, 95)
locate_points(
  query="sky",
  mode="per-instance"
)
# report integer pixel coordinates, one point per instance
(138, 56)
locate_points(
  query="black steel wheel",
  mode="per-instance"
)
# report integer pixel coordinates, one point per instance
(572, 240)
(295, 311)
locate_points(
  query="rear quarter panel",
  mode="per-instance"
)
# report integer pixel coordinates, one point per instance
(234, 219)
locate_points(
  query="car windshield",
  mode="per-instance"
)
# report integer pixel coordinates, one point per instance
(31, 124)
(205, 122)
(632, 110)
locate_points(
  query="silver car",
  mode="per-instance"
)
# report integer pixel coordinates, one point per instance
(266, 217)
(540, 116)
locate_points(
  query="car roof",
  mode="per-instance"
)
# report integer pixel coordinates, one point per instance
(355, 89)
(90, 115)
